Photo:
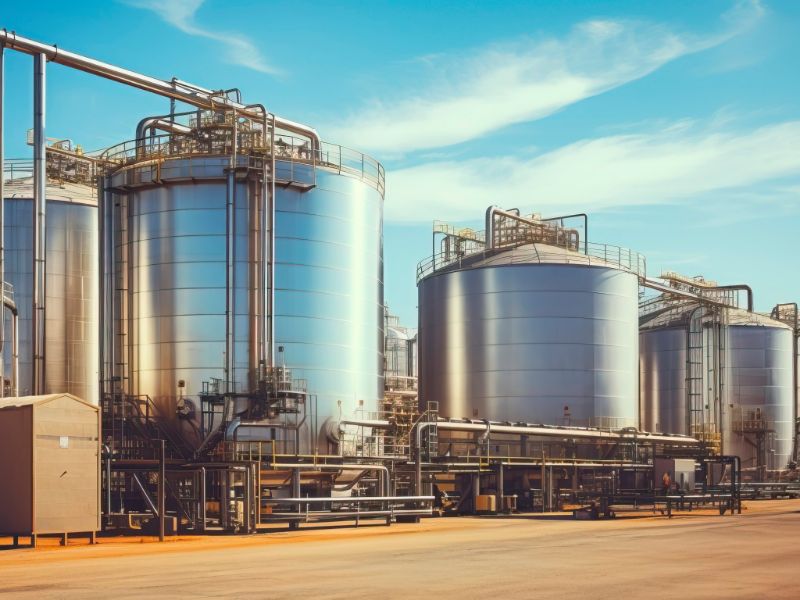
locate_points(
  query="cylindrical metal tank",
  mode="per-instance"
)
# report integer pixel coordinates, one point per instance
(760, 385)
(662, 379)
(71, 359)
(754, 382)
(536, 333)
(170, 246)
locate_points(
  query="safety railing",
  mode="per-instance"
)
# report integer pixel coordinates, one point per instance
(290, 153)
(595, 255)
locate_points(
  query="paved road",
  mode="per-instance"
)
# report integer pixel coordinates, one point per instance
(754, 555)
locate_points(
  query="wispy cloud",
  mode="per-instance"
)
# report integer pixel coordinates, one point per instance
(181, 14)
(459, 99)
(684, 160)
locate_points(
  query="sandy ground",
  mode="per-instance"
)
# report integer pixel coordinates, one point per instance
(697, 555)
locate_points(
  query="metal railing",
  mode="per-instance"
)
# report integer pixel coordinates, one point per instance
(595, 255)
(294, 153)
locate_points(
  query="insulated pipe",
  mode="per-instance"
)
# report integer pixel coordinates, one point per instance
(175, 89)
(39, 207)
(544, 431)
(179, 91)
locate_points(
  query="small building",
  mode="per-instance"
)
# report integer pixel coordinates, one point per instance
(49, 466)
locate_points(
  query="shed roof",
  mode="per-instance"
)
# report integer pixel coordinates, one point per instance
(37, 400)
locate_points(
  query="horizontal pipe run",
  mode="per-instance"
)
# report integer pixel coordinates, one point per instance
(348, 499)
(174, 89)
(565, 432)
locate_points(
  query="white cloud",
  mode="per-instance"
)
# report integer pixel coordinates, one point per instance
(685, 160)
(469, 97)
(181, 15)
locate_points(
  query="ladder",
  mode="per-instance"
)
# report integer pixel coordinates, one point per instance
(431, 442)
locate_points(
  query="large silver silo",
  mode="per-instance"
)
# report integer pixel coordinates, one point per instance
(177, 271)
(71, 355)
(532, 332)
(760, 382)
(663, 380)
(743, 381)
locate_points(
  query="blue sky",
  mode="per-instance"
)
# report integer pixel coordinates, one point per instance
(676, 125)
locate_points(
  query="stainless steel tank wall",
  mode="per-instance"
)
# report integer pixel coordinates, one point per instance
(174, 327)
(757, 381)
(523, 342)
(328, 288)
(760, 379)
(71, 318)
(662, 380)
(329, 292)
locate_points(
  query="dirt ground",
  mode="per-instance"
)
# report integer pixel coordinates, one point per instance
(697, 555)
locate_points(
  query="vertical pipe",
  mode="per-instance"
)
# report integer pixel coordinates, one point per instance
(101, 237)
(2, 231)
(500, 486)
(296, 490)
(39, 201)
(108, 484)
(15, 352)
(230, 255)
(203, 499)
(162, 491)
(476, 491)
(271, 263)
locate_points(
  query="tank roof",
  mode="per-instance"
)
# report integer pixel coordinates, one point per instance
(542, 254)
(78, 193)
(676, 313)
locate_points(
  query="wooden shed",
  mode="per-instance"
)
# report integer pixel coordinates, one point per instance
(49, 466)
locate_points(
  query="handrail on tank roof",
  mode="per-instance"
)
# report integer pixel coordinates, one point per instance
(603, 254)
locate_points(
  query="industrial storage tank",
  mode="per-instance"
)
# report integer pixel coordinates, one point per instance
(720, 373)
(70, 357)
(188, 227)
(529, 324)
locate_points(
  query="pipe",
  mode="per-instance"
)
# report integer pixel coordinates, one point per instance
(299, 128)
(514, 216)
(737, 288)
(39, 208)
(230, 259)
(341, 467)
(585, 227)
(9, 304)
(660, 287)
(271, 264)
(185, 92)
(178, 90)
(561, 432)
(157, 123)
